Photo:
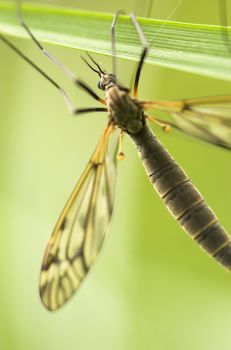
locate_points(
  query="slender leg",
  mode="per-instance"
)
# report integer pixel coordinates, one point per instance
(25, 58)
(145, 46)
(60, 65)
(142, 37)
(38, 44)
(114, 70)
(69, 104)
(89, 90)
(143, 54)
(90, 109)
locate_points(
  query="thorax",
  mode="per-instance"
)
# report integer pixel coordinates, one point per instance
(125, 111)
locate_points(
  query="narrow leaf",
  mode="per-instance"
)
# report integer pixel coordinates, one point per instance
(195, 48)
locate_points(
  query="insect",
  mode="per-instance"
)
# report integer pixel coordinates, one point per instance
(83, 224)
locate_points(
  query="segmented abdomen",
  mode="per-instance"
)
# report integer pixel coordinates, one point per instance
(182, 198)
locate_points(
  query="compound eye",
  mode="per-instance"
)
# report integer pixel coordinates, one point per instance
(113, 77)
(99, 85)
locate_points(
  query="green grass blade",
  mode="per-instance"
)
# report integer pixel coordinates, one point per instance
(189, 47)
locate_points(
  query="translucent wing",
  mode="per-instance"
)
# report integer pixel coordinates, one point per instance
(80, 230)
(208, 118)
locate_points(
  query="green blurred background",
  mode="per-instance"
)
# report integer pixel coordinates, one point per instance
(152, 287)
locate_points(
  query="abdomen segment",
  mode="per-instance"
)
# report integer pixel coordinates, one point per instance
(181, 197)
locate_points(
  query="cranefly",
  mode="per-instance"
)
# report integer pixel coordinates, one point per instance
(83, 224)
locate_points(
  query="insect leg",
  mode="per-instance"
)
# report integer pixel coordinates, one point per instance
(91, 109)
(145, 44)
(45, 75)
(114, 70)
(60, 65)
(67, 100)
(31, 63)
(143, 54)
(38, 44)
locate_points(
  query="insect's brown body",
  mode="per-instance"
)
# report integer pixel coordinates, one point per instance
(182, 198)
(83, 224)
(126, 112)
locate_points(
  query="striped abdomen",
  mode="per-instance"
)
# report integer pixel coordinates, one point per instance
(182, 198)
